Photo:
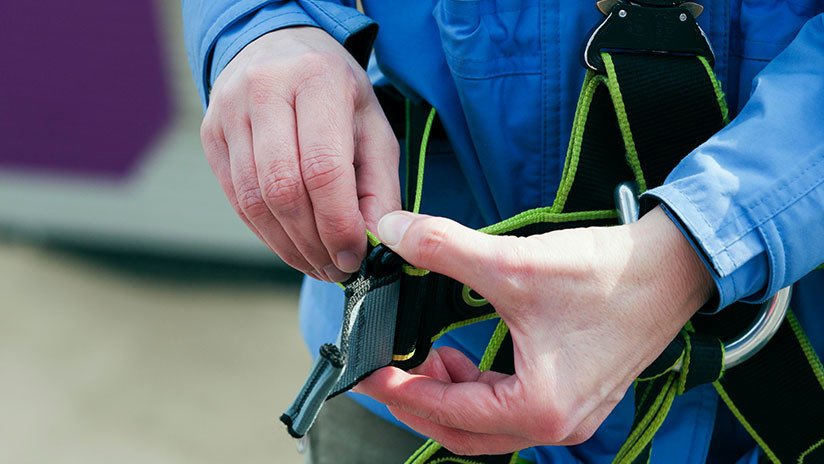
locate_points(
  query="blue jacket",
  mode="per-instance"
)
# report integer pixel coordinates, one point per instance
(505, 77)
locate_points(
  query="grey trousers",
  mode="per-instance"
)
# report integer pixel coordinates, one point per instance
(346, 433)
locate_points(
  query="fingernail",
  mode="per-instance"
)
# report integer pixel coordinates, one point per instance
(335, 274)
(392, 227)
(348, 261)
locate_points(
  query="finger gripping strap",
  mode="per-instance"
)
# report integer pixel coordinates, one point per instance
(364, 345)
(635, 121)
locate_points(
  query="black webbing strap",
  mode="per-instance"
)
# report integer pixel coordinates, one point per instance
(702, 361)
(364, 345)
(778, 394)
(629, 125)
(672, 104)
(432, 452)
(635, 121)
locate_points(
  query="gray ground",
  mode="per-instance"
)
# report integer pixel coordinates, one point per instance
(98, 366)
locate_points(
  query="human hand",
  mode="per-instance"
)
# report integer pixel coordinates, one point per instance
(301, 147)
(588, 310)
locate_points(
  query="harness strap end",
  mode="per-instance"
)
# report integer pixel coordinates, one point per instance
(326, 372)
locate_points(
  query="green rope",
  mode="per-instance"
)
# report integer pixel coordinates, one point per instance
(422, 160)
(407, 110)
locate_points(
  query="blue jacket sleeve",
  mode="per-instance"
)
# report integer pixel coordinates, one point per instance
(216, 30)
(751, 199)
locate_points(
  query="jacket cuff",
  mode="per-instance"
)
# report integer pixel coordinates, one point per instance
(239, 26)
(355, 31)
(732, 250)
(245, 30)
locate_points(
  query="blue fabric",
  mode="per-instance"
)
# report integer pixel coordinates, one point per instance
(215, 31)
(250, 27)
(505, 77)
(752, 215)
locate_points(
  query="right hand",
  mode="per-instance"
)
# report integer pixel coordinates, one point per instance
(302, 149)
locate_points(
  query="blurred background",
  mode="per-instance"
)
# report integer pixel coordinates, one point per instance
(139, 320)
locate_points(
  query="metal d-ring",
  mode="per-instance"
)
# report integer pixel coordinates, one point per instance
(769, 319)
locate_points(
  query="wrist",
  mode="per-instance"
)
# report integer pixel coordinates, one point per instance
(676, 269)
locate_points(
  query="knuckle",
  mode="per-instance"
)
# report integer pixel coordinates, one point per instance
(551, 428)
(222, 98)
(340, 224)
(282, 189)
(349, 86)
(226, 104)
(251, 203)
(262, 84)
(315, 63)
(207, 131)
(210, 134)
(321, 64)
(324, 69)
(321, 167)
(547, 436)
(433, 241)
(546, 423)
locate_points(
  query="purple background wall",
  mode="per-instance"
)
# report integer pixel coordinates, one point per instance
(82, 87)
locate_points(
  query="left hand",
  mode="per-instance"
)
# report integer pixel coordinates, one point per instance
(588, 310)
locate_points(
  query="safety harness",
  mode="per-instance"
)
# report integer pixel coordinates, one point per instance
(648, 99)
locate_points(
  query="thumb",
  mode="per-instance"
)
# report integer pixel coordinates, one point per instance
(443, 246)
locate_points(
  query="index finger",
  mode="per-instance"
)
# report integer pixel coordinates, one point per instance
(460, 441)
(325, 126)
(480, 407)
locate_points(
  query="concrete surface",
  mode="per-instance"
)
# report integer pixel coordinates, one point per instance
(99, 366)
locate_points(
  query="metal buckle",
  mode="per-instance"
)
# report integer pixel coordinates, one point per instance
(647, 26)
(770, 316)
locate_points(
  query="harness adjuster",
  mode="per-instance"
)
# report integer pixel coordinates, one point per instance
(647, 26)
(382, 261)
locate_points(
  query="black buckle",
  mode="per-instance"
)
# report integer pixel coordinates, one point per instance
(647, 26)
(380, 261)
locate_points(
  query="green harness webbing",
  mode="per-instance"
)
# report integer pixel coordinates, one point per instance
(635, 121)
(619, 133)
